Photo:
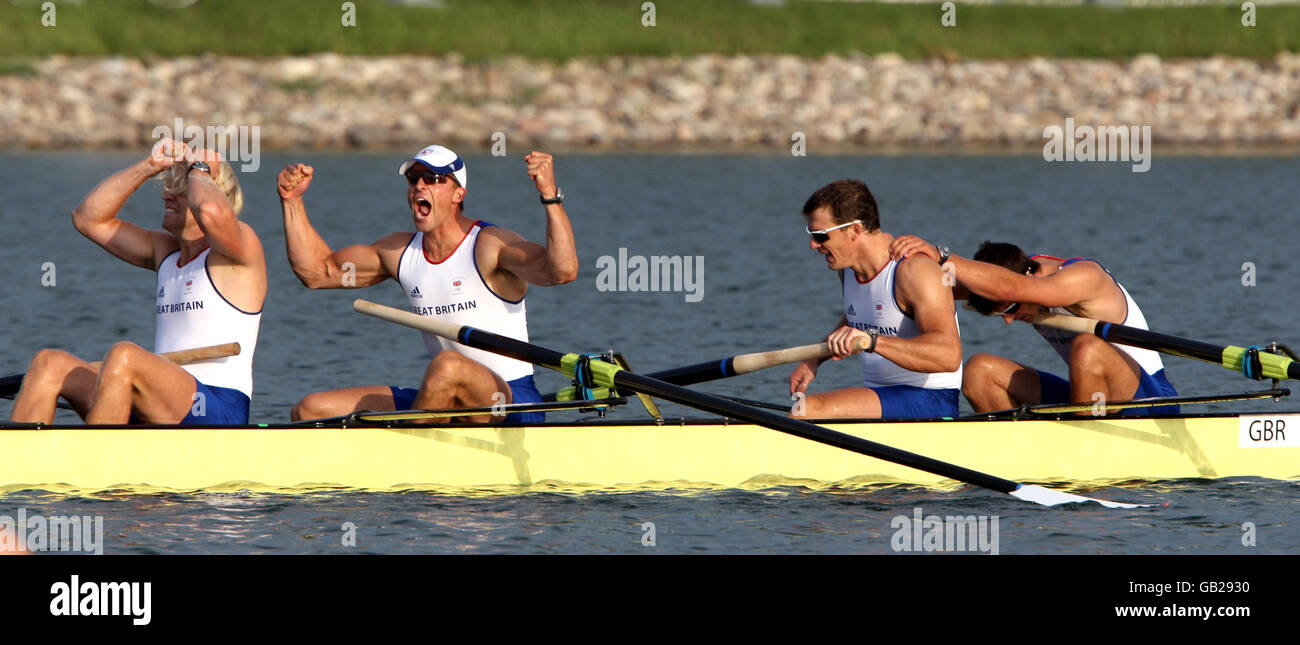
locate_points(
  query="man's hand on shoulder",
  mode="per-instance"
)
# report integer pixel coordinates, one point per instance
(907, 245)
(294, 180)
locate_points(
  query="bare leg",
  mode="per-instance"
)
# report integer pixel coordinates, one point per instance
(995, 383)
(1096, 367)
(451, 381)
(54, 373)
(336, 403)
(135, 379)
(845, 403)
(454, 381)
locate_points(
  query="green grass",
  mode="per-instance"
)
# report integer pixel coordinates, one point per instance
(562, 29)
(16, 68)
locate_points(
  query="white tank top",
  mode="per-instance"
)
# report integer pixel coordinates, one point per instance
(871, 305)
(1061, 340)
(192, 313)
(454, 291)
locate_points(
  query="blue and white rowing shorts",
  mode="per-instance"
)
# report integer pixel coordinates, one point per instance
(1057, 390)
(222, 406)
(522, 390)
(911, 402)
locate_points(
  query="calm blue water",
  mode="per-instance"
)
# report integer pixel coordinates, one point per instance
(1177, 237)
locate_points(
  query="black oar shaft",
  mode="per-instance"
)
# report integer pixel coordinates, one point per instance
(9, 385)
(1159, 342)
(697, 373)
(647, 385)
(1124, 335)
(510, 347)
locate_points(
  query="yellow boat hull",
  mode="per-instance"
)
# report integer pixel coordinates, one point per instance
(616, 456)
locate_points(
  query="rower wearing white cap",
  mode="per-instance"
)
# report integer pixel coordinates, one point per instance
(453, 268)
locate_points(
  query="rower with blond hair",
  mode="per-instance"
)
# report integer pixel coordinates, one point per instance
(211, 283)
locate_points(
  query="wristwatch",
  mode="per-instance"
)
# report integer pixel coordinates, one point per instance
(871, 349)
(944, 253)
(201, 166)
(557, 199)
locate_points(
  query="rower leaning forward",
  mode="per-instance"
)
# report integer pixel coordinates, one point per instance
(211, 285)
(911, 367)
(452, 268)
(1002, 280)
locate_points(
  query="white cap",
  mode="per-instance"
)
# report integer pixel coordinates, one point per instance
(440, 160)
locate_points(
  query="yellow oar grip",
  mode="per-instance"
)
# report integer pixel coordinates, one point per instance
(571, 394)
(1272, 365)
(602, 373)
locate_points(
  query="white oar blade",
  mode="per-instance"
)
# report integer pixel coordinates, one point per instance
(1049, 497)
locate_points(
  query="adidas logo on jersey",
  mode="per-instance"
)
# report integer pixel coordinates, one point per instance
(851, 312)
(415, 293)
(160, 291)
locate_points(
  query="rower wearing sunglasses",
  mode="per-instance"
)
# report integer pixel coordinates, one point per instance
(1001, 280)
(911, 367)
(453, 268)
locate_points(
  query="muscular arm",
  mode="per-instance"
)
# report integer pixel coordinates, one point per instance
(318, 267)
(1067, 287)
(938, 347)
(224, 232)
(555, 263)
(96, 218)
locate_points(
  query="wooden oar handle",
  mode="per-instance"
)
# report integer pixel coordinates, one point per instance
(746, 363)
(187, 356)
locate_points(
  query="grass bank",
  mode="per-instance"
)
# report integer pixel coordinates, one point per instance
(562, 29)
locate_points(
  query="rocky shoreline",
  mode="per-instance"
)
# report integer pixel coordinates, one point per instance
(855, 102)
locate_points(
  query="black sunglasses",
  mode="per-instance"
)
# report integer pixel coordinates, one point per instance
(429, 178)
